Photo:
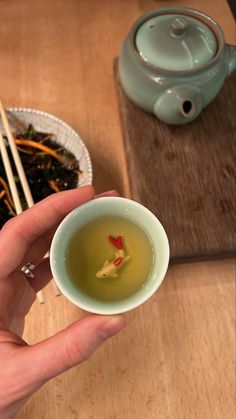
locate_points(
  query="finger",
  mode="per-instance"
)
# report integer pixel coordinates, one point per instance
(42, 275)
(40, 247)
(69, 347)
(24, 229)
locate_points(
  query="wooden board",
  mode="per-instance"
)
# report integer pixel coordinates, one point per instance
(186, 174)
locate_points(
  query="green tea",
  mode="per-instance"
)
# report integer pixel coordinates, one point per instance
(110, 258)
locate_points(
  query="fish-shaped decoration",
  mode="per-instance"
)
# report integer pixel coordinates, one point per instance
(110, 269)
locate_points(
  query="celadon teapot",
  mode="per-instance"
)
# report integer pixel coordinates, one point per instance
(174, 62)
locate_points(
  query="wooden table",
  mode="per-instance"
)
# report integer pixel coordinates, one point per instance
(175, 360)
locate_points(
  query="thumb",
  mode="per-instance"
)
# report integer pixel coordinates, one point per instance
(70, 346)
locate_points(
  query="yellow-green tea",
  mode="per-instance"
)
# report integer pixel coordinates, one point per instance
(109, 258)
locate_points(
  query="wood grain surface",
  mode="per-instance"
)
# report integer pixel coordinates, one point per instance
(186, 174)
(175, 360)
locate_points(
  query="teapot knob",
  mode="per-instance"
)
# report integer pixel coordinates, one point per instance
(178, 26)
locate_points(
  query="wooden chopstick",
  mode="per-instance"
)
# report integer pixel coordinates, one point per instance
(22, 177)
(16, 157)
(10, 176)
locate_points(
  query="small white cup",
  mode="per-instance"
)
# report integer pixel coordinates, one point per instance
(106, 207)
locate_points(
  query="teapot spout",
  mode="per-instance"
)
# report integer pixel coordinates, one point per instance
(231, 57)
(179, 105)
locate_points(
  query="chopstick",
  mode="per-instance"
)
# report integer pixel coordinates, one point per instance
(12, 185)
(16, 157)
(10, 176)
(21, 173)
(11, 181)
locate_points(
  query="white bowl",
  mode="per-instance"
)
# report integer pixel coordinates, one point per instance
(65, 136)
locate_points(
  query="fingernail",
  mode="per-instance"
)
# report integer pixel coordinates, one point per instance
(108, 193)
(112, 326)
(112, 191)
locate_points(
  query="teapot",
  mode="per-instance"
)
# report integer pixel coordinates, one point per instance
(174, 62)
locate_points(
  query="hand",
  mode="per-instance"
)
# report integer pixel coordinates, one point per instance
(23, 368)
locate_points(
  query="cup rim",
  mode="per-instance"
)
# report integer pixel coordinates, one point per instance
(75, 298)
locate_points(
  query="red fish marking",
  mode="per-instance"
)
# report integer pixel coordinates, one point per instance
(117, 242)
(110, 269)
(118, 261)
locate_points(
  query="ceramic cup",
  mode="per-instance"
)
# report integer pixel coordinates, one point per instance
(111, 207)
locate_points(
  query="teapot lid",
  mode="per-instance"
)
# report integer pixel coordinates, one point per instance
(175, 42)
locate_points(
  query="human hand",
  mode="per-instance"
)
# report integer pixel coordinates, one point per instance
(24, 368)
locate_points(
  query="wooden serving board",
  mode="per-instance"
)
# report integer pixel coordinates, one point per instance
(186, 174)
